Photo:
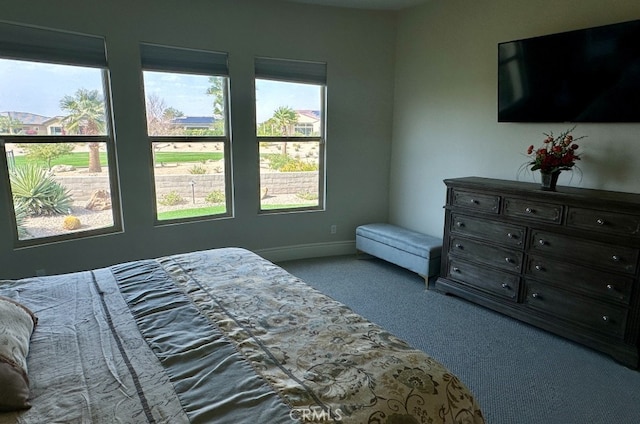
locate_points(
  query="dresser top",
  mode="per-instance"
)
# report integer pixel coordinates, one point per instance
(562, 193)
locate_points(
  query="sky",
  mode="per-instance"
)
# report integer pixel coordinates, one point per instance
(38, 88)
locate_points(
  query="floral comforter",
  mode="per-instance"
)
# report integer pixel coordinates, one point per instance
(231, 337)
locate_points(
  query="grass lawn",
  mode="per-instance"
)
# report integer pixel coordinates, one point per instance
(191, 213)
(214, 210)
(81, 159)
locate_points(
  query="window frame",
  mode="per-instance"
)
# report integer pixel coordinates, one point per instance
(188, 62)
(299, 72)
(49, 46)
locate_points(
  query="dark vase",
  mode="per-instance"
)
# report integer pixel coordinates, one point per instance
(549, 180)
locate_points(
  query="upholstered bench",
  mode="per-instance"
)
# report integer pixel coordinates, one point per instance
(409, 249)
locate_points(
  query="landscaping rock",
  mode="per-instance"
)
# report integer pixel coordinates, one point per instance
(63, 168)
(100, 201)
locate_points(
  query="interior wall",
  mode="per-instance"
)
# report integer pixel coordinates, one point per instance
(358, 47)
(445, 111)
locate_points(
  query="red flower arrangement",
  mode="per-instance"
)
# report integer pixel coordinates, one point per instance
(556, 154)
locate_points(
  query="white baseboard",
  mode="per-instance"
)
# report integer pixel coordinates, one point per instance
(304, 251)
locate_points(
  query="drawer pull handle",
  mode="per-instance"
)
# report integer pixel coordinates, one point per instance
(505, 285)
(474, 201)
(510, 235)
(459, 246)
(542, 242)
(529, 210)
(616, 258)
(539, 268)
(459, 224)
(535, 295)
(600, 221)
(509, 260)
(455, 269)
(605, 318)
(610, 287)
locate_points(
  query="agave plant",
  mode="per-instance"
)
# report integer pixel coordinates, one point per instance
(37, 193)
(21, 215)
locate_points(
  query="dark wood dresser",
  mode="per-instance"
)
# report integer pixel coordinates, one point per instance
(565, 261)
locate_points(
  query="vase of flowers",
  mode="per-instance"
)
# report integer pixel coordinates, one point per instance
(556, 154)
(548, 180)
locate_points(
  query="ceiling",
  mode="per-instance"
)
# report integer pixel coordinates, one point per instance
(365, 4)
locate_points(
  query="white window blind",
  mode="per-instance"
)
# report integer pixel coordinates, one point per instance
(291, 70)
(163, 58)
(46, 45)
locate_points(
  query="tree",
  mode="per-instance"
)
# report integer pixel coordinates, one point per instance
(172, 113)
(216, 89)
(268, 128)
(159, 117)
(46, 152)
(283, 118)
(9, 125)
(86, 116)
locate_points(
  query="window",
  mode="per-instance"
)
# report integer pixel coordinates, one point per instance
(55, 134)
(186, 94)
(303, 128)
(290, 122)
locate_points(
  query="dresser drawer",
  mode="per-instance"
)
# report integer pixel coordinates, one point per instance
(618, 258)
(476, 201)
(500, 257)
(537, 211)
(598, 316)
(607, 222)
(484, 228)
(600, 284)
(495, 282)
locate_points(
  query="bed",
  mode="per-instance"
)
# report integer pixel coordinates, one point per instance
(214, 336)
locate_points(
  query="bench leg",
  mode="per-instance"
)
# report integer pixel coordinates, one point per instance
(426, 281)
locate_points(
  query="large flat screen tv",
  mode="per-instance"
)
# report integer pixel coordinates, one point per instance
(589, 75)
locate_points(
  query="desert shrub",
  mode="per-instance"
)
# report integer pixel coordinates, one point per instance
(305, 195)
(171, 199)
(296, 165)
(197, 169)
(34, 190)
(286, 163)
(276, 160)
(71, 222)
(216, 196)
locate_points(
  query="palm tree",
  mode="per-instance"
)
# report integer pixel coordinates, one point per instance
(283, 118)
(86, 116)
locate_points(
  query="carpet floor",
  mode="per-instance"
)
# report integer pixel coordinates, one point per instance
(519, 374)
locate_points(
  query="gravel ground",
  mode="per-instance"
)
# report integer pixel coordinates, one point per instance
(45, 226)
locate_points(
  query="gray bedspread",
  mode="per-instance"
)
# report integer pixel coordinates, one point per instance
(219, 336)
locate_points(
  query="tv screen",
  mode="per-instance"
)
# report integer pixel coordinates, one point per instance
(589, 75)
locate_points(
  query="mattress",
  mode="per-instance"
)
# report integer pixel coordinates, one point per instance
(218, 336)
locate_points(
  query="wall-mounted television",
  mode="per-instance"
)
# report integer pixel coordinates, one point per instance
(588, 75)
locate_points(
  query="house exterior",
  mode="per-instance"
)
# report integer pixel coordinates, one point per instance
(30, 124)
(34, 124)
(193, 122)
(308, 123)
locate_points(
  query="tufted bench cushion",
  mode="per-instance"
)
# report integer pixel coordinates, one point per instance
(409, 249)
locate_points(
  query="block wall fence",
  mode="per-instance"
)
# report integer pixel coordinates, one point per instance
(82, 186)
